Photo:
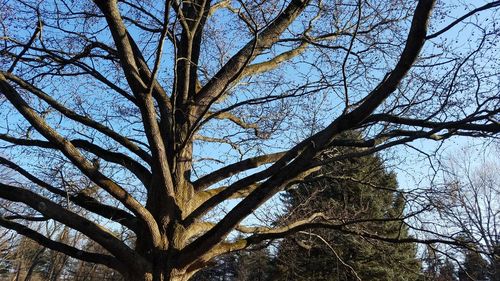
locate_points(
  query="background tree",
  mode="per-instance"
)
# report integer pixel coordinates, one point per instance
(495, 266)
(468, 208)
(353, 190)
(251, 265)
(83, 271)
(224, 268)
(436, 267)
(474, 267)
(447, 271)
(148, 117)
(29, 261)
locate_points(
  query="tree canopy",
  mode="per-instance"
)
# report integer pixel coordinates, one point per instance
(155, 128)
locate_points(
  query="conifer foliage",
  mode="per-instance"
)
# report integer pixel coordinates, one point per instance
(353, 190)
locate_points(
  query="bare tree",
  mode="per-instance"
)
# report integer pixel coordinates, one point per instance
(150, 116)
(83, 271)
(468, 205)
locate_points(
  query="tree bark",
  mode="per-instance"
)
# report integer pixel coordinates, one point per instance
(162, 276)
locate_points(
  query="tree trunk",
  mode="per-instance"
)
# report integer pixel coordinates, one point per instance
(162, 277)
(174, 275)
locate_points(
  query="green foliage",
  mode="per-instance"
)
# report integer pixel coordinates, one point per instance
(447, 271)
(474, 267)
(222, 269)
(355, 189)
(495, 265)
(437, 268)
(253, 265)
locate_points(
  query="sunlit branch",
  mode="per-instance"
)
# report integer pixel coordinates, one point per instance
(235, 168)
(76, 253)
(80, 118)
(122, 39)
(58, 213)
(80, 198)
(72, 153)
(264, 40)
(415, 42)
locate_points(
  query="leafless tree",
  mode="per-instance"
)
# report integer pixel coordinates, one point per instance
(149, 116)
(468, 205)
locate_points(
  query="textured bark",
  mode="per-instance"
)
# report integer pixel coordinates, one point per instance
(147, 176)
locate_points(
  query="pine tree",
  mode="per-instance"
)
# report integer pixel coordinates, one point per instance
(474, 267)
(495, 264)
(255, 266)
(252, 265)
(223, 268)
(437, 268)
(354, 189)
(446, 271)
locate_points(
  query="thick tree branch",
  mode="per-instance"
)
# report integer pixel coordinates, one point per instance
(62, 215)
(77, 158)
(235, 168)
(238, 121)
(465, 124)
(142, 173)
(80, 199)
(79, 118)
(123, 45)
(321, 140)
(115, 214)
(160, 164)
(307, 224)
(76, 253)
(212, 90)
(271, 64)
(133, 166)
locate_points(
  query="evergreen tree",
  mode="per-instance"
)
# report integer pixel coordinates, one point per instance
(437, 269)
(474, 267)
(495, 265)
(223, 268)
(432, 264)
(253, 265)
(446, 271)
(354, 189)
